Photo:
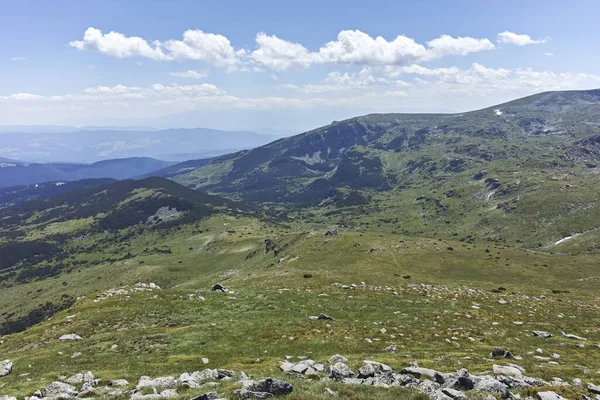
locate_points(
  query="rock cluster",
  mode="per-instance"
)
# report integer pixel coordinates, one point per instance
(436, 385)
(126, 291)
(86, 385)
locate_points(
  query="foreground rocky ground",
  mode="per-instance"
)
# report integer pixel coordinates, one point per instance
(505, 381)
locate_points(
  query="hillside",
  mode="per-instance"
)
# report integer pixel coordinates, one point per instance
(483, 173)
(53, 236)
(21, 194)
(28, 174)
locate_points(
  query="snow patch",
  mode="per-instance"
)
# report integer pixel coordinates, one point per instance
(498, 112)
(566, 238)
(315, 158)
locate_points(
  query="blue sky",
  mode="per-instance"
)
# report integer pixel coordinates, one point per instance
(283, 66)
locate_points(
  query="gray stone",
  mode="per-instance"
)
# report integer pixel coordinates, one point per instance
(330, 392)
(168, 393)
(5, 367)
(225, 373)
(167, 382)
(207, 396)
(594, 388)
(506, 370)
(498, 352)
(366, 371)
(391, 348)
(5, 397)
(428, 387)
(337, 358)
(270, 385)
(339, 371)
(454, 394)
(119, 382)
(491, 385)
(549, 396)
(418, 372)
(286, 366)
(247, 394)
(70, 336)
(59, 390)
(207, 374)
(352, 381)
(542, 334)
(325, 317)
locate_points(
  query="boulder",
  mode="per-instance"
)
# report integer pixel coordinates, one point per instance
(59, 390)
(247, 394)
(271, 386)
(325, 317)
(418, 372)
(339, 371)
(167, 382)
(391, 348)
(219, 288)
(5, 397)
(549, 396)
(70, 336)
(168, 393)
(507, 370)
(491, 385)
(367, 371)
(207, 396)
(225, 373)
(454, 394)
(498, 352)
(5, 367)
(337, 358)
(119, 382)
(287, 366)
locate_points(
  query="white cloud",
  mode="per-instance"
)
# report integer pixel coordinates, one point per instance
(549, 54)
(209, 47)
(18, 58)
(356, 47)
(351, 47)
(190, 74)
(447, 45)
(118, 45)
(507, 37)
(276, 54)
(372, 89)
(22, 97)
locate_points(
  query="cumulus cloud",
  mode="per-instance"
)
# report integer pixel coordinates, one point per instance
(116, 44)
(209, 47)
(351, 47)
(447, 45)
(189, 74)
(275, 54)
(508, 37)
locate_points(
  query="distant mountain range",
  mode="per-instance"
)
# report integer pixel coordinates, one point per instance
(91, 144)
(12, 174)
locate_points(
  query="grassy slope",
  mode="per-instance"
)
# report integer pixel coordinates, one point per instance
(164, 333)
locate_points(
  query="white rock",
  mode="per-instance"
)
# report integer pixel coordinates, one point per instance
(70, 336)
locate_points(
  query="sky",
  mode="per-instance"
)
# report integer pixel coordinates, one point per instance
(283, 66)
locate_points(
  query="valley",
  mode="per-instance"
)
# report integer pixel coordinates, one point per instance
(429, 240)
